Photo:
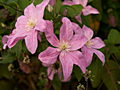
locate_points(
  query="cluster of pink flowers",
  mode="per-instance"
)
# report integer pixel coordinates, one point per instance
(74, 46)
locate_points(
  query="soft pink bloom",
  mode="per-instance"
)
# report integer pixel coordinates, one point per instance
(87, 9)
(28, 26)
(91, 46)
(66, 48)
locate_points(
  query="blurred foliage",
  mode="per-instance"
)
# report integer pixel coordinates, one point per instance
(19, 70)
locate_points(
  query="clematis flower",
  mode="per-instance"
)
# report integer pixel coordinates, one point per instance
(66, 48)
(87, 9)
(28, 26)
(91, 46)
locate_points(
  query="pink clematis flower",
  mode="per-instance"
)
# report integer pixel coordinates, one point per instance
(87, 9)
(28, 26)
(66, 48)
(91, 46)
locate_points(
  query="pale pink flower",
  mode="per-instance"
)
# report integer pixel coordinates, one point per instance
(87, 9)
(66, 48)
(91, 46)
(28, 26)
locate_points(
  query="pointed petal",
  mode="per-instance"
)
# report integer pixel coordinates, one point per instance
(66, 30)
(100, 55)
(87, 32)
(77, 42)
(89, 10)
(30, 11)
(88, 54)
(77, 29)
(78, 18)
(31, 41)
(21, 22)
(50, 72)
(49, 56)
(67, 2)
(97, 43)
(51, 37)
(78, 59)
(67, 64)
(16, 36)
(82, 2)
(41, 7)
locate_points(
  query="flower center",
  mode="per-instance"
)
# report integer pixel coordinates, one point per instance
(89, 44)
(31, 24)
(64, 45)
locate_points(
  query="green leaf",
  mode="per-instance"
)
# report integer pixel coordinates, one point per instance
(7, 58)
(4, 71)
(73, 10)
(111, 75)
(6, 85)
(96, 69)
(114, 36)
(57, 6)
(56, 83)
(78, 73)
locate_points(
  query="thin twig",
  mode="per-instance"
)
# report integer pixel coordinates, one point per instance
(11, 7)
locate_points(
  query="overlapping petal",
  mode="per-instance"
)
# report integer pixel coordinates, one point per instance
(77, 42)
(89, 10)
(87, 32)
(49, 33)
(66, 30)
(67, 64)
(78, 60)
(88, 54)
(49, 56)
(97, 43)
(31, 41)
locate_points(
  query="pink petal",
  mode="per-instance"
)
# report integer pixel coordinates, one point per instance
(66, 30)
(41, 7)
(89, 10)
(4, 41)
(87, 32)
(49, 33)
(30, 11)
(50, 72)
(78, 18)
(67, 64)
(97, 43)
(100, 55)
(78, 59)
(77, 42)
(52, 2)
(88, 54)
(49, 56)
(16, 36)
(77, 29)
(31, 41)
(82, 2)
(67, 2)
(21, 22)
(41, 25)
